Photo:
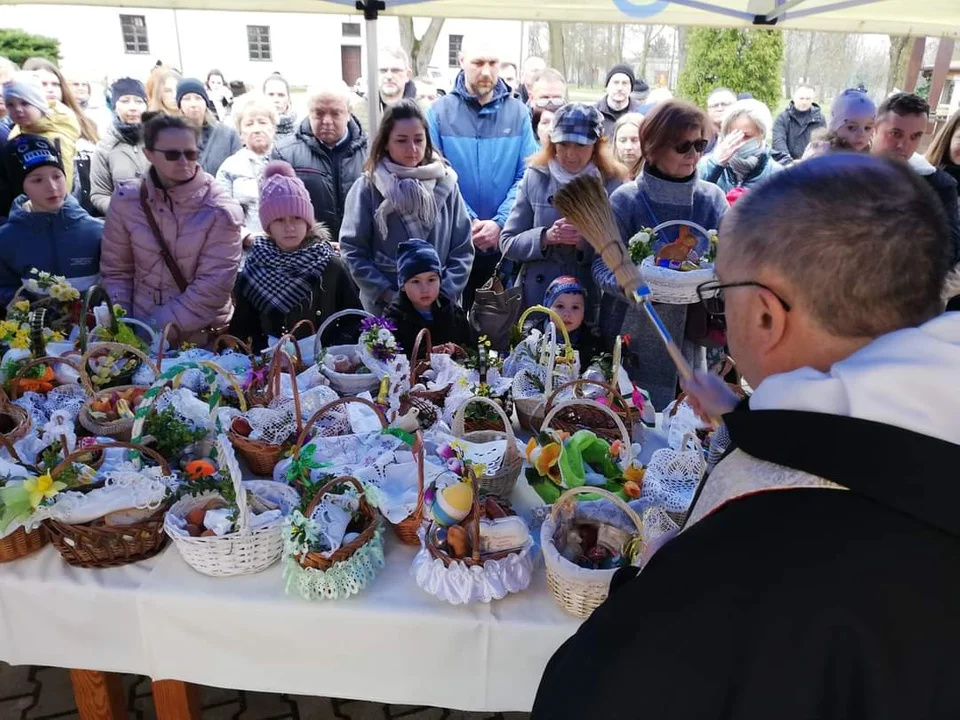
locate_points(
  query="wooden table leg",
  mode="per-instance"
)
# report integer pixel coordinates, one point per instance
(99, 695)
(176, 700)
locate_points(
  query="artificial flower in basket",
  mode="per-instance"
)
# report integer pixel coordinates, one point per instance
(559, 461)
(475, 548)
(53, 293)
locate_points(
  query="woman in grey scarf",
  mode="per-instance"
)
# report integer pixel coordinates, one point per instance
(741, 157)
(407, 191)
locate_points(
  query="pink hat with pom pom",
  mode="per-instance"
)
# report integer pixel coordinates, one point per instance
(283, 194)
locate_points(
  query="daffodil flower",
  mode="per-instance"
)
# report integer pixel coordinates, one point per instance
(634, 473)
(42, 487)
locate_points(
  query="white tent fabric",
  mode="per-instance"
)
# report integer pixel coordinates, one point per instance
(938, 18)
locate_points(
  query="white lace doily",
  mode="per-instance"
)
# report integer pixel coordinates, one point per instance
(123, 489)
(67, 398)
(344, 579)
(459, 584)
(343, 454)
(672, 477)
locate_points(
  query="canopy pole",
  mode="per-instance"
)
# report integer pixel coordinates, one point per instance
(781, 9)
(371, 9)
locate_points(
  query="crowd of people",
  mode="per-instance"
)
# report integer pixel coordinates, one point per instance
(216, 207)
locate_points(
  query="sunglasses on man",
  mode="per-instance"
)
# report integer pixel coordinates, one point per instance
(700, 144)
(174, 155)
(552, 104)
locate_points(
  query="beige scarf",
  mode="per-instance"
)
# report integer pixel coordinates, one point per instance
(408, 192)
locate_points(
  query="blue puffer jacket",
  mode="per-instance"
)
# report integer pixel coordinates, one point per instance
(62, 243)
(486, 144)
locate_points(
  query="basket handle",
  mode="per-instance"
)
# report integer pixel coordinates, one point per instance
(231, 342)
(343, 479)
(592, 403)
(139, 449)
(325, 409)
(610, 390)
(209, 369)
(459, 417)
(423, 334)
(280, 357)
(165, 337)
(688, 223)
(94, 295)
(318, 340)
(558, 322)
(290, 336)
(420, 456)
(227, 456)
(99, 347)
(15, 456)
(586, 490)
(45, 360)
(475, 520)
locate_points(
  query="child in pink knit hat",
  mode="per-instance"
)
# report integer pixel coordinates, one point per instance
(292, 272)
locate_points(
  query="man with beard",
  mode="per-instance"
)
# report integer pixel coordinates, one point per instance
(486, 135)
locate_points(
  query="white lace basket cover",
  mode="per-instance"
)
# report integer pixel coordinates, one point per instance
(459, 584)
(345, 578)
(672, 477)
(245, 551)
(676, 287)
(577, 590)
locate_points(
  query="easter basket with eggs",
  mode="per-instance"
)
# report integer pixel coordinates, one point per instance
(583, 556)
(333, 548)
(539, 362)
(675, 270)
(114, 520)
(109, 409)
(223, 525)
(473, 549)
(345, 366)
(427, 401)
(496, 459)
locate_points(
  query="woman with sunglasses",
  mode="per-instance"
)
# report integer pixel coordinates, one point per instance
(171, 245)
(673, 137)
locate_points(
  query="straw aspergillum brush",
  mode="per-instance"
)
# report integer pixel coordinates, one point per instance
(584, 203)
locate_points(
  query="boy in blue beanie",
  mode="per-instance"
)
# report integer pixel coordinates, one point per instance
(419, 303)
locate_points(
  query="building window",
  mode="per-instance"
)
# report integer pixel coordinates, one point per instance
(350, 29)
(258, 42)
(134, 29)
(453, 53)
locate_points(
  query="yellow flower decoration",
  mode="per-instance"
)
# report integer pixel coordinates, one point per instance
(634, 473)
(57, 336)
(41, 487)
(8, 327)
(546, 459)
(21, 340)
(479, 469)
(22, 305)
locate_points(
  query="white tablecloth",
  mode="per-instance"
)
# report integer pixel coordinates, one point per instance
(392, 643)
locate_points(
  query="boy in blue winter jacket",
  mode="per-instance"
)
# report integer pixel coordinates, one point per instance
(47, 229)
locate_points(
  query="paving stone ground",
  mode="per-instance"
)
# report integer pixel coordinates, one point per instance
(42, 693)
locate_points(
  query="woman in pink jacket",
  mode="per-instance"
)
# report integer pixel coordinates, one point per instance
(186, 274)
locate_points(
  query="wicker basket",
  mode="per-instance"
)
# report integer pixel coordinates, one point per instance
(530, 409)
(291, 337)
(20, 542)
(118, 429)
(317, 561)
(210, 372)
(319, 414)
(675, 287)
(262, 457)
(344, 383)
(418, 368)
(584, 415)
(596, 409)
(505, 479)
(17, 381)
(578, 590)
(407, 528)
(102, 546)
(14, 420)
(245, 551)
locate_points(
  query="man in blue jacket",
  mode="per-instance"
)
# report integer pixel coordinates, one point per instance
(486, 135)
